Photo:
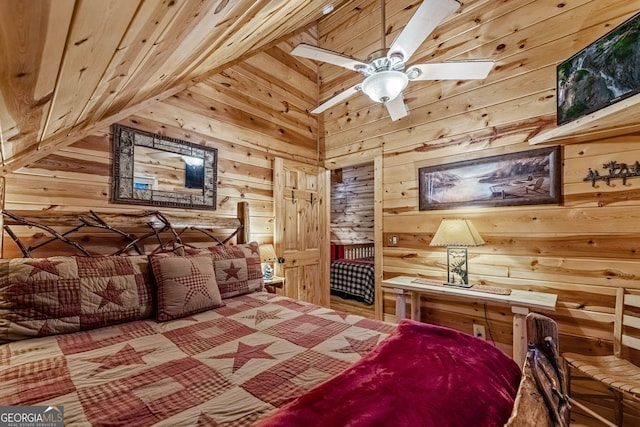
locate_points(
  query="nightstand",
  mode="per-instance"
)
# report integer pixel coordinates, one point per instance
(276, 283)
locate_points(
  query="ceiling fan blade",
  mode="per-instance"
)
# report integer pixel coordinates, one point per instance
(396, 108)
(428, 16)
(454, 70)
(337, 99)
(324, 55)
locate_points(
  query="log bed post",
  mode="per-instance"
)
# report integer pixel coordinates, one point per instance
(243, 215)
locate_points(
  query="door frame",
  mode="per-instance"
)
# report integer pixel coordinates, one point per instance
(323, 177)
(376, 157)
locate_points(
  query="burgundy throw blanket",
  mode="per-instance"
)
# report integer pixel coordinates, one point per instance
(422, 375)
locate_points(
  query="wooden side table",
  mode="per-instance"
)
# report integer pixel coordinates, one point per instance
(520, 302)
(274, 285)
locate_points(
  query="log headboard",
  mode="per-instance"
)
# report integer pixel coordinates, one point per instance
(108, 233)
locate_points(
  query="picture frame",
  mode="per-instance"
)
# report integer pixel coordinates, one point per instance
(528, 177)
(156, 170)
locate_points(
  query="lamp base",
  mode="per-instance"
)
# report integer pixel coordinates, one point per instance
(457, 274)
(268, 272)
(458, 285)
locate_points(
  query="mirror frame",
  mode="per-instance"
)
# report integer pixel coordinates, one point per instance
(124, 141)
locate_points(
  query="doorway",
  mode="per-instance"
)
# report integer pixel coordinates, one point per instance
(355, 267)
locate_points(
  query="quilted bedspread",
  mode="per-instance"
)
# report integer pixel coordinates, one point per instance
(225, 367)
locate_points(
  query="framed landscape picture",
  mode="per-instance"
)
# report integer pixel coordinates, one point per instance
(529, 177)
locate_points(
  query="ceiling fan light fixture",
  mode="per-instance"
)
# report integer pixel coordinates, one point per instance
(385, 70)
(396, 60)
(384, 85)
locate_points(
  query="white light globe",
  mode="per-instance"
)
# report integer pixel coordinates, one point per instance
(385, 85)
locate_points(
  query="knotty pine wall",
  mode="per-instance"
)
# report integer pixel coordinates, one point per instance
(352, 216)
(583, 249)
(251, 113)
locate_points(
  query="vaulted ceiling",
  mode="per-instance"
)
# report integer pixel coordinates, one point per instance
(69, 67)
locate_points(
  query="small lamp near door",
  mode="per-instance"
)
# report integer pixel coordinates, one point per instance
(267, 258)
(457, 235)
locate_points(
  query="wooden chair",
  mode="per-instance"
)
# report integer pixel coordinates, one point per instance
(620, 375)
(534, 187)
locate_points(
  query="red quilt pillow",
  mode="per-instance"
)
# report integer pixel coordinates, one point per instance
(238, 269)
(47, 296)
(186, 285)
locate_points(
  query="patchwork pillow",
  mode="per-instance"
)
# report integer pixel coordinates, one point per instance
(186, 285)
(238, 269)
(181, 250)
(48, 296)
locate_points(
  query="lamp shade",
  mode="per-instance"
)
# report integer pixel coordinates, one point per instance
(384, 85)
(267, 253)
(456, 232)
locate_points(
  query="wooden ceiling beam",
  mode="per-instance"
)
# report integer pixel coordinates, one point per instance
(84, 129)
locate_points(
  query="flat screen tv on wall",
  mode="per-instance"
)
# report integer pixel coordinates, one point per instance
(601, 74)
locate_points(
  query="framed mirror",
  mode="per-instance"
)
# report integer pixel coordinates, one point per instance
(155, 170)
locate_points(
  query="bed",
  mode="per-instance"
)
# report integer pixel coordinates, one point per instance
(352, 273)
(187, 337)
(225, 366)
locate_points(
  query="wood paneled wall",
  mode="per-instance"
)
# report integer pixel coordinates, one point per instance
(582, 249)
(352, 204)
(251, 113)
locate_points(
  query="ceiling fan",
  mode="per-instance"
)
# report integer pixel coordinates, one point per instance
(385, 70)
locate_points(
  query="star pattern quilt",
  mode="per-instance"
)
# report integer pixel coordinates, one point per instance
(229, 366)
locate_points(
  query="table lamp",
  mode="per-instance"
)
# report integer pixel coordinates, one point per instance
(267, 258)
(456, 235)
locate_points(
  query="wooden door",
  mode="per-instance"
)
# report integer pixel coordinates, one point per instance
(301, 238)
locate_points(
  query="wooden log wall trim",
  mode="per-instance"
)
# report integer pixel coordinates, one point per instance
(249, 117)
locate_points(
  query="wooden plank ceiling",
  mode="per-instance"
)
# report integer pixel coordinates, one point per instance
(69, 67)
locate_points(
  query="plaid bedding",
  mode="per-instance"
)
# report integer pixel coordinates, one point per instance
(224, 367)
(353, 278)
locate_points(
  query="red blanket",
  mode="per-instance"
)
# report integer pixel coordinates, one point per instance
(422, 375)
